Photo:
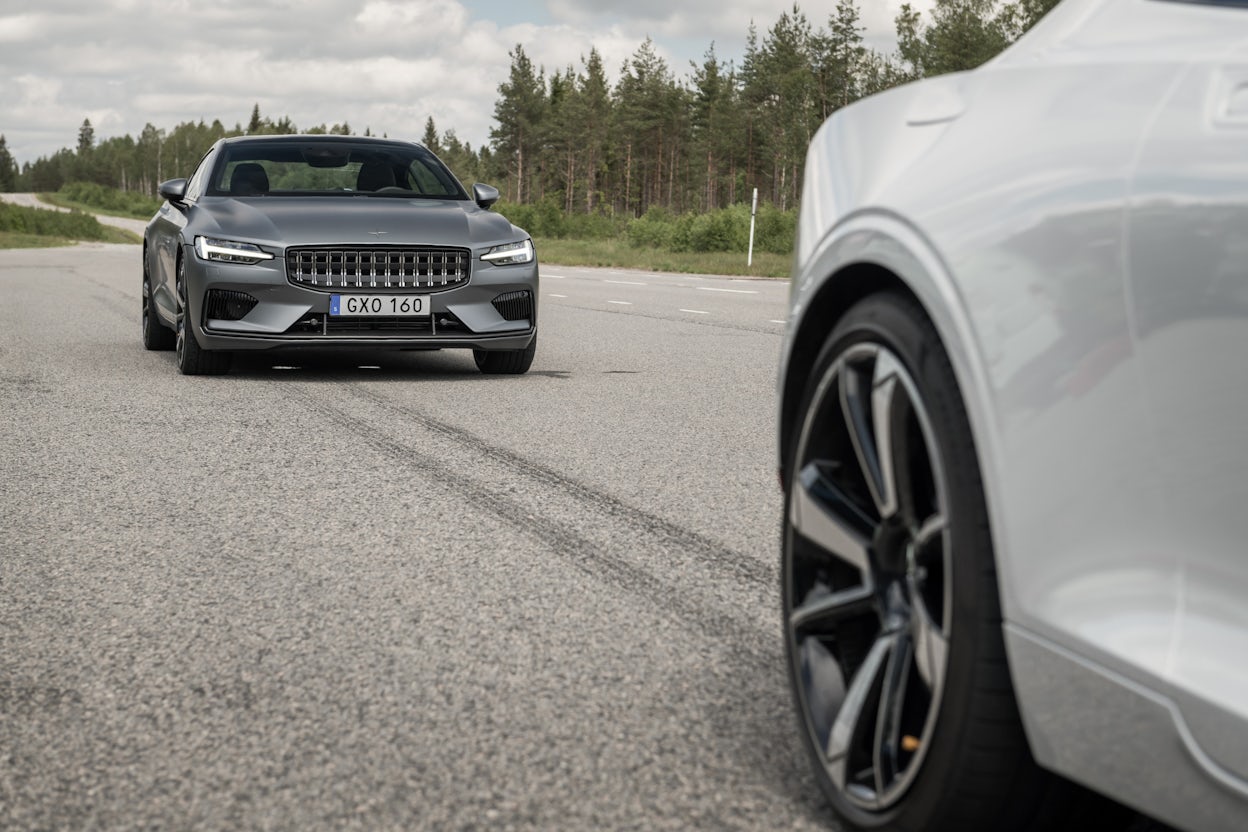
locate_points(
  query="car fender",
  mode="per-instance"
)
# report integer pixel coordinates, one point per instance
(875, 250)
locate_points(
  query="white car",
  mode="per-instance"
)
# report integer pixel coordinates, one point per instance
(1013, 434)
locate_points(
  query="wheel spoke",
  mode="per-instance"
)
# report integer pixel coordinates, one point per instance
(931, 648)
(893, 411)
(931, 528)
(856, 401)
(877, 409)
(888, 400)
(822, 513)
(888, 722)
(853, 720)
(822, 613)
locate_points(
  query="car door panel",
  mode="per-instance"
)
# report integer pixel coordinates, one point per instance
(1188, 263)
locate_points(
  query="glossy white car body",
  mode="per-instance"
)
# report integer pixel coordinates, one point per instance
(1073, 217)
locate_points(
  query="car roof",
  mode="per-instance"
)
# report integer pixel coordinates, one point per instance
(318, 138)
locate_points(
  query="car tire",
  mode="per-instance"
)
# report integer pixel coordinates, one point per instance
(193, 360)
(156, 336)
(506, 362)
(892, 621)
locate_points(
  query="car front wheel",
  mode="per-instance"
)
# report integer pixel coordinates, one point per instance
(156, 336)
(506, 362)
(891, 615)
(192, 359)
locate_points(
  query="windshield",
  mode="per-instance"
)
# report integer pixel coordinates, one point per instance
(332, 168)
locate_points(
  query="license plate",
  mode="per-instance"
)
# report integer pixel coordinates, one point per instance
(372, 306)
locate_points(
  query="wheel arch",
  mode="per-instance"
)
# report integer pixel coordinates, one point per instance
(876, 252)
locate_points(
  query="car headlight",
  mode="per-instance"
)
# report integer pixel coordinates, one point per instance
(228, 251)
(510, 253)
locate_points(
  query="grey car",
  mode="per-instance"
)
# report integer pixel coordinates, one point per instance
(1013, 434)
(294, 242)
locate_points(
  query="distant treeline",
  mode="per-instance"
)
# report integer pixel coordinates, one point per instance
(574, 142)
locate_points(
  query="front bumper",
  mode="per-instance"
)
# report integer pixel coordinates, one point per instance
(288, 316)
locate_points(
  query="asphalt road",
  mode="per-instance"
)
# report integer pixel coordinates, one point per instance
(381, 591)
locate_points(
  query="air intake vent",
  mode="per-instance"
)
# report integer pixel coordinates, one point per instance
(224, 305)
(514, 306)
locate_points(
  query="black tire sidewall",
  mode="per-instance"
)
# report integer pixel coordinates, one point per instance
(506, 362)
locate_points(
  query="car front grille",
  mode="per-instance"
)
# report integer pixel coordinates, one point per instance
(318, 324)
(378, 269)
(378, 326)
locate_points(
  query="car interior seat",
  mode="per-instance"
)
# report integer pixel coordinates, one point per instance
(249, 179)
(374, 176)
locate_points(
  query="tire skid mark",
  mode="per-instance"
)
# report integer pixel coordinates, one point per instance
(109, 287)
(707, 323)
(741, 564)
(115, 306)
(589, 557)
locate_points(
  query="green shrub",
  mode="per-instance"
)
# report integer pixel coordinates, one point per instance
(721, 230)
(595, 226)
(653, 229)
(73, 225)
(774, 230)
(541, 219)
(110, 200)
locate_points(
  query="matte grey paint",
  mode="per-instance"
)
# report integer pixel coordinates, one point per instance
(278, 222)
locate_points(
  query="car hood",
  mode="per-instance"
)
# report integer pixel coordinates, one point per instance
(303, 221)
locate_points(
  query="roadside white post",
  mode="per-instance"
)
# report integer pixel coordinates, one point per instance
(749, 260)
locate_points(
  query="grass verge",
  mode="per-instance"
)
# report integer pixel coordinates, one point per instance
(96, 199)
(621, 255)
(42, 227)
(19, 239)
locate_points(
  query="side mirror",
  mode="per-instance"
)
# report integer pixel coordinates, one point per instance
(173, 190)
(485, 195)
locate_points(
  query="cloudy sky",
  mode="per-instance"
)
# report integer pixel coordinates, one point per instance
(382, 64)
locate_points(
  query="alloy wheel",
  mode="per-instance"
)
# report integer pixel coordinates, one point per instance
(147, 310)
(180, 314)
(156, 336)
(868, 575)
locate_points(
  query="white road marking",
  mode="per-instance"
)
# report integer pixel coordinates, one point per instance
(625, 282)
(620, 302)
(734, 291)
(555, 276)
(777, 322)
(695, 311)
(553, 295)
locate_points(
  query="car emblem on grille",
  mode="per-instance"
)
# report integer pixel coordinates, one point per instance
(379, 234)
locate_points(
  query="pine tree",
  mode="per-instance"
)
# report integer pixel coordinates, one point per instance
(648, 110)
(86, 137)
(712, 125)
(8, 168)
(595, 99)
(962, 35)
(839, 55)
(430, 139)
(519, 112)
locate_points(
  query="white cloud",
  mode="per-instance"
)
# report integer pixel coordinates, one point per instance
(382, 64)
